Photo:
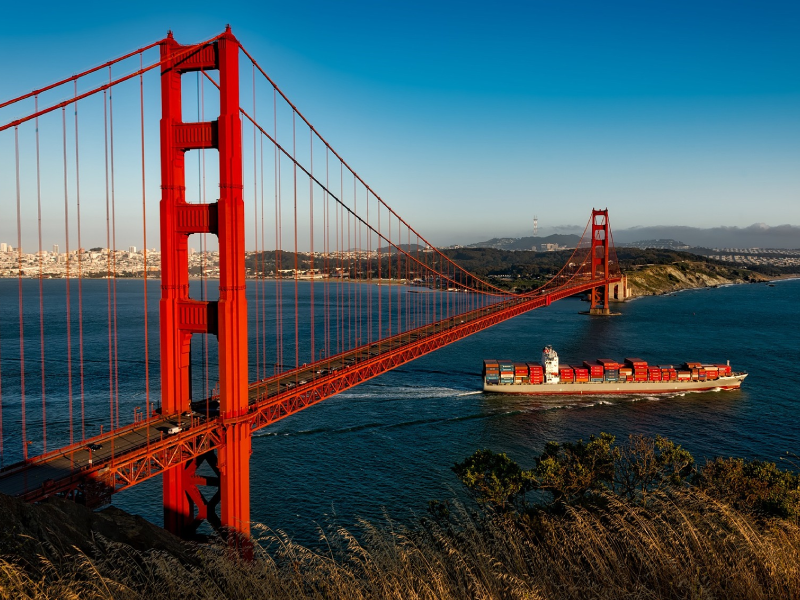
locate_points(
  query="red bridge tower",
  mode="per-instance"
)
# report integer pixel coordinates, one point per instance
(599, 258)
(180, 316)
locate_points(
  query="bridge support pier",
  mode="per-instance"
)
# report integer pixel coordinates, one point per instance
(181, 316)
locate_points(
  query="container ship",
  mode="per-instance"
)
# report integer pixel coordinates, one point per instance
(604, 376)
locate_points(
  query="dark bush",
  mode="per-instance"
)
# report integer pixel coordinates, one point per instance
(754, 486)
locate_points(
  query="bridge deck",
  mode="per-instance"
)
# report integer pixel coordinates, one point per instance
(128, 455)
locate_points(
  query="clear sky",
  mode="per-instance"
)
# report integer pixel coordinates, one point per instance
(469, 118)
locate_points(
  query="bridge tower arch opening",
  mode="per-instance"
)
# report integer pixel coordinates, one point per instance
(180, 316)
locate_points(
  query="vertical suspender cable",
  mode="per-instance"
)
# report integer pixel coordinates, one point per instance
(278, 282)
(255, 229)
(204, 247)
(340, 212)
(21, 320)
(108, 272)
(380, 287)
(339, 237)
(327, 248)
(80, 269)
(200, 200)
(389, 271)
(357, 244)
(409, 324)
(67, 274)
(144, 252)
(294, 189)
(114, 249)
(311, 240)
(399, 276)
(41, 259)
(349, 284)
(263, 265)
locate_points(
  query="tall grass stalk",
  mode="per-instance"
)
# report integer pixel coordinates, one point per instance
(681, 545)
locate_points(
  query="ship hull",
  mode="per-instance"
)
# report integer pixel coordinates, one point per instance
(732, 382)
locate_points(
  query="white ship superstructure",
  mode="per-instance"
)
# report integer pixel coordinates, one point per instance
(550, 364)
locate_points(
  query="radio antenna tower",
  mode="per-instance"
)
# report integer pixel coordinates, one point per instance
(535, 226)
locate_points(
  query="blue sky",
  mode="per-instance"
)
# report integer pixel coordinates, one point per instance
(469, 118)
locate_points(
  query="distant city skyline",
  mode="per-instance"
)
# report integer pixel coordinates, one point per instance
(470, 120)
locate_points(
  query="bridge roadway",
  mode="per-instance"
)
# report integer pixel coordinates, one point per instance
(61, 471)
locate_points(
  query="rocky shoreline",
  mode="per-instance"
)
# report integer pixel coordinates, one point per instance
(657, 280)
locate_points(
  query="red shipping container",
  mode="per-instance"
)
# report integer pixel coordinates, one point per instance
(635, 362)
(607, 364)
(595, 369)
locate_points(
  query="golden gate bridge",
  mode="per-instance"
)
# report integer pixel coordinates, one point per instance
(347, 291)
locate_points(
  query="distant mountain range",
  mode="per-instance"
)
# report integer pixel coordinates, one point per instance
(410, 248)
(659, 244)
(758, 235)
(529, 243)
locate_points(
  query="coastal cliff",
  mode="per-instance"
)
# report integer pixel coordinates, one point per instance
(654, 280)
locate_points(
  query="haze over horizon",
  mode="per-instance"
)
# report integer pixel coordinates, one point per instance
(758, 235)
(468, 120)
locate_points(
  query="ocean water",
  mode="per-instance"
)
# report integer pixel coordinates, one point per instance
(388, 444)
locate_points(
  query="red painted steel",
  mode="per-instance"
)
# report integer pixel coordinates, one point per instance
(130, 454)
(234, 456)
(182, 317)
(142, 462)
(599, 257)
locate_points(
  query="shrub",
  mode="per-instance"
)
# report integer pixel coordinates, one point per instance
(572, 470)
(754, 486)
(493, 479)
(645, 465)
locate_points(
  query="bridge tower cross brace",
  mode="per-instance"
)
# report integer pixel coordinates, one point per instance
(599, 258)
(181, 316)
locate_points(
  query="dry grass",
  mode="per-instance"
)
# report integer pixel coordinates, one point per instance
(685, 545)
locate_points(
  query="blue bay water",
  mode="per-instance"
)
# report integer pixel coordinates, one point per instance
(390, 442)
